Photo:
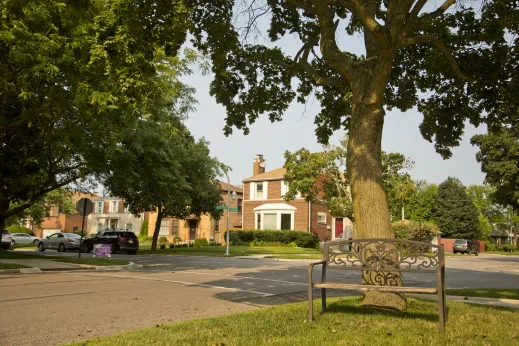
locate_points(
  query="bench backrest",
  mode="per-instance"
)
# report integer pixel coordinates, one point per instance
(385, 255)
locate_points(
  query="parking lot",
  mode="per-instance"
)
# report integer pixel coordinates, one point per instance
(54, 308)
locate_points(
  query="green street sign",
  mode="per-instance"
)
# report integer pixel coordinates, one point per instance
(224, 207)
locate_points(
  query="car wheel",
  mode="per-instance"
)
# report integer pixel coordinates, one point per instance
(36, 241)
(13, 242)
(61, 248)
(455, 252)
(6, 247)
(85, 249)
(41, 247)
(477, 253)
(114, 250)
(132, 252)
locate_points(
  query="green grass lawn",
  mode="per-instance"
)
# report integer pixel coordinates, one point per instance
(25, 247)
(234, 250)
(343, 324)
(505, 293)
(12, 266)
(316, 256)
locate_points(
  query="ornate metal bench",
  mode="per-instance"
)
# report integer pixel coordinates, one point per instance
(382, 256)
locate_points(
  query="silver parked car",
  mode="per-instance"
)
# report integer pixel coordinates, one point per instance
(6, 239)
(22, 238)
(60, 241)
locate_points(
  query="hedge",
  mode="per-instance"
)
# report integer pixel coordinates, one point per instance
(246, 237)
(19, 229)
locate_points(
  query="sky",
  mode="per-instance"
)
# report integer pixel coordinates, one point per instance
(401, 133)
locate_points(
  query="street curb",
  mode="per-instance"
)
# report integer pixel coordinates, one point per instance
(496, 302)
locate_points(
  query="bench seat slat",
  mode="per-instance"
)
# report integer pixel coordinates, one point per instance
(376, 288)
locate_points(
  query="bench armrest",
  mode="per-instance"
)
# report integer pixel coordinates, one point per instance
(311, 268)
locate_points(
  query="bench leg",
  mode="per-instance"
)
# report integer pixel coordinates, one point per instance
(310, 303)
(441, 302)
(323, 300)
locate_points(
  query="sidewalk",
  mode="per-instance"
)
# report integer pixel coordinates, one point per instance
(506, 303)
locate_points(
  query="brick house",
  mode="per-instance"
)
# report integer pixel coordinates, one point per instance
(111, 212)
(59, 222)
(203, 227)
(264, 207)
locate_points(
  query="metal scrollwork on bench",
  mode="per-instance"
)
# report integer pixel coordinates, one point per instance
(380, 254)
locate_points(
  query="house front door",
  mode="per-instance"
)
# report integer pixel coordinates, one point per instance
(192, 229)
(339, 227)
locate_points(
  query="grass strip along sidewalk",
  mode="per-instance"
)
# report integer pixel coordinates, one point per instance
(12, 266)
(343, 324)
(87, 261)
(234, 250)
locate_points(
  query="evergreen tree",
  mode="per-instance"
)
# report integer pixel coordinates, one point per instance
(456, 214)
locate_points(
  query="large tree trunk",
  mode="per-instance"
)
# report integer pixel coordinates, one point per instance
(370, 207)
(160, 216)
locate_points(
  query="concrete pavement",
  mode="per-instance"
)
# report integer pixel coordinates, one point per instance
(83, 305)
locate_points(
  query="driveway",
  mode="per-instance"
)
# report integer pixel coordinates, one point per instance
(53, 308)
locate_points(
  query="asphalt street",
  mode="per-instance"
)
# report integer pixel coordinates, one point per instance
(59, 307)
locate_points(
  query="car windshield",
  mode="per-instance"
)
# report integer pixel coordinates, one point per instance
(72, 235)
(460, 242)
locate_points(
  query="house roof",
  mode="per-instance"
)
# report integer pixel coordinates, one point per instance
(276, 174)
(225, 187)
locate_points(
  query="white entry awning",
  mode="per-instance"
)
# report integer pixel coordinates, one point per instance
(275, 207)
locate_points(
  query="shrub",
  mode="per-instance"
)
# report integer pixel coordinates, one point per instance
(163, 240)
(489, 246)
(201, 242)
(19, 229)
(509, 248)
(144, 228)
(162, 246)
(402, 231)
(171, 245)
(177, 239)
(143, 238)
(255, 237)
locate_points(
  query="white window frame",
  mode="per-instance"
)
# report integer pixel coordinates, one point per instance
(126, 210)
(100, 207)
(321, 215)
(284, 189)
(111, 209)
(278, 213)
(254, 190)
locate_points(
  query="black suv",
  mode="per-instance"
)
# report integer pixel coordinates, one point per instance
(121, 240)
(466, 246)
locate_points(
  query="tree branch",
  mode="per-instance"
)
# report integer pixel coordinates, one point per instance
(361, 13)
(413, 15)
(34, 197)
(319, 79)
(437, 13)
(439, 45)
(340, 62)
(302, 4)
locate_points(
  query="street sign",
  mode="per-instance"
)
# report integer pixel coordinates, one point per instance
(84, 206)
(224, 207)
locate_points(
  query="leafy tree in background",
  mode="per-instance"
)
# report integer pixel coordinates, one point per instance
(161, 168)
(73, 76)
(319, 177)
(456, 214)
(422, 205)
(60, 199)
(499, 158)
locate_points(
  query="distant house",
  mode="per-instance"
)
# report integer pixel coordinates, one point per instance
(264, 208)
(204, 226)
(111, 212)
(59, 222)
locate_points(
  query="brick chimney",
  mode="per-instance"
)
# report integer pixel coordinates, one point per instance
(257, 164)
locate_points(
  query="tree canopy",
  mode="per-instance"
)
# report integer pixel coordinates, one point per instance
(73, 75)
(161, 168)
